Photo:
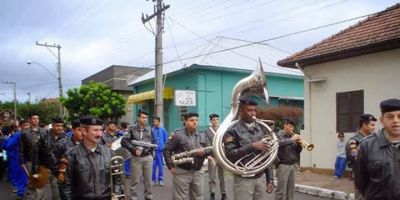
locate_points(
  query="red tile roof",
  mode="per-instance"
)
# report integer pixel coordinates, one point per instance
(378, 32)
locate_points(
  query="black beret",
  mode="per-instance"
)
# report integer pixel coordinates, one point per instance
(190, 114)
(246, 100)
(390, 105)
(57, 120)
(367, 118)
(75, 123)
(91, 120)
(213, 115)
(289, 120)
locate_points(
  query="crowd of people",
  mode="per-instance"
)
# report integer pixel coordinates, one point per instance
(77, 164)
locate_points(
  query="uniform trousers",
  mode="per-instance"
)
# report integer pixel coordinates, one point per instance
(249, 188)
(285, 175)
(188, 183)
(141, 166)
(213, 169)
(158, 164)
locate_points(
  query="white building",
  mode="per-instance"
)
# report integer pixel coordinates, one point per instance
(346, 75)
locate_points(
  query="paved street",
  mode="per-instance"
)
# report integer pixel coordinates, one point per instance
(165, 192)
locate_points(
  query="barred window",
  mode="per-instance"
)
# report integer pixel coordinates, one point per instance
(349, 107)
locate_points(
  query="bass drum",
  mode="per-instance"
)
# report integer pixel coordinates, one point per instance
(120, 150)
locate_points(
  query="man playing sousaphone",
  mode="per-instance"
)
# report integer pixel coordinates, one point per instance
(288, 155)
(243, 139)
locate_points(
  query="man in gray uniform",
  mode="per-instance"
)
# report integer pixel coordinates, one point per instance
(243, 139)
(188, 178)
(367, 127)
(213, 166)
(377, 164)
(88, 172)
(288, 155)
(142, 157)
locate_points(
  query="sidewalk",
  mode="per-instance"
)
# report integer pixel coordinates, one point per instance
(324, 185)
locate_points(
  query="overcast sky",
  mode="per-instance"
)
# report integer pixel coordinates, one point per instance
(95, 34)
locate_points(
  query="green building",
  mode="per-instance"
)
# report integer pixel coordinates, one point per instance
(207, 79)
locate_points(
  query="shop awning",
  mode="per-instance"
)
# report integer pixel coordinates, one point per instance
(168, 93)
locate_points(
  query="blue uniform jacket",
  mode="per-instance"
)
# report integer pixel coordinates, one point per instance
(160, 136)
(17, 174)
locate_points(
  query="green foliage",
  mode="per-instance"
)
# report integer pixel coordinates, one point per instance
(95, 99)
(278, 114)
(47, 109)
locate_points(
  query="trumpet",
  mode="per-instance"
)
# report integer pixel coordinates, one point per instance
(304, 144)
(187, 156)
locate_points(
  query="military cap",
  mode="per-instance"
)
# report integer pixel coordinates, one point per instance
(213, 115)
(190, 114)
(367, 118)
(75, 123)
(91, 120)
(246, 100)
(57, 120)
(390, 105)
(289, 120)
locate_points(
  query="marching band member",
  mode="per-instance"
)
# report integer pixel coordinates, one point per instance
(213, 167)
(377, 163)
(188, 178)
(242, 139)
(142, 158)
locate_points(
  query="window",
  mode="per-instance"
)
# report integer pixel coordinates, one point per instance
(349, 107)
(183, 111)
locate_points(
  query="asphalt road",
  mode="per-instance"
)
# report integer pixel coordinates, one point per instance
(165, 192)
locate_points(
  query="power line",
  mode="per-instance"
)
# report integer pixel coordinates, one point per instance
(269, 39)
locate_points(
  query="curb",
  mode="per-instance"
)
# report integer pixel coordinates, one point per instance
(320, 192)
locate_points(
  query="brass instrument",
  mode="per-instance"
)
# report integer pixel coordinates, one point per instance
(143, 144)
(187, 156)
(304, 144)
(254, 83)
(118, 179)
(40, 179)
(119, 150)
(62, 168)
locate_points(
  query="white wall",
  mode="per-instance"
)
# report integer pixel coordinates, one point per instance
(377, 74)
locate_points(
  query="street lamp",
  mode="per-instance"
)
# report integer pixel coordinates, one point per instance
(57, 77)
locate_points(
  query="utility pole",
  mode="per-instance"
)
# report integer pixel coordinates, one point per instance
(159, 12)
(15, 98)
(58, 57)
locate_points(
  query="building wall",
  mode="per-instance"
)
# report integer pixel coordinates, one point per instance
(213, 90)
(377, 74)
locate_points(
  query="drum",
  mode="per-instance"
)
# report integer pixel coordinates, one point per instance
(120, 150)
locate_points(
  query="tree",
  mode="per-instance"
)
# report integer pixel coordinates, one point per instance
(46, 108)
(95, 99)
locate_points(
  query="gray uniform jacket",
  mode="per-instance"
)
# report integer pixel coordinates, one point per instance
(210, 134)
(63, 147)
(45, 144)
(107, 138)
(356, 138)
(135, 133)
(28, 144)
(289, 151)
(238, 140)
(88, 174)
(180, 141)
(377, 168)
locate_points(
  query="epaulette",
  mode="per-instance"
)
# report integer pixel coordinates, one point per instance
(368, 137)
